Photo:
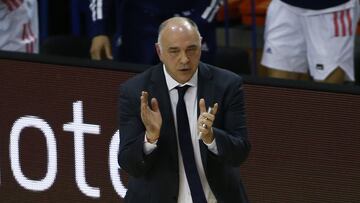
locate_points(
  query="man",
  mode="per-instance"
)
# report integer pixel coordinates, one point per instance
(311, 36)
(153, 131)
(19, 26)
(137, 22)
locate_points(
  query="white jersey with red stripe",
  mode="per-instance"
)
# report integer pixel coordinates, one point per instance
(317, 41)
(19, 27)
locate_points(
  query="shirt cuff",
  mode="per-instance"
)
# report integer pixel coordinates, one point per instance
(149, 147)
(212, 147)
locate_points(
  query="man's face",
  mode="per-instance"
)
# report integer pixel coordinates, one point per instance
(180, 51)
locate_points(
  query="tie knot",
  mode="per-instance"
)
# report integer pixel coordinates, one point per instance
(182, 90)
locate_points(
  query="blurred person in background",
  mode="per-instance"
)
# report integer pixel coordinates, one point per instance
(314, 38)
(137, 23)
(19, 26)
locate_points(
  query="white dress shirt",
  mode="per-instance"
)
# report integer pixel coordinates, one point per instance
(191, 102)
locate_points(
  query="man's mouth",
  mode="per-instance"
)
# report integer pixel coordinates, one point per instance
(184, 69)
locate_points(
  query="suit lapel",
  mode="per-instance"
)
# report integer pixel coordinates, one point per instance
(158, 89)
(205, 85)
(206, 91)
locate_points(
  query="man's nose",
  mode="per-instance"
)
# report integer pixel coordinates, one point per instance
(184, 58)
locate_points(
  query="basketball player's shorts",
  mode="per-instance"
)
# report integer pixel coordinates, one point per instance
(315, 41)
(19, 27)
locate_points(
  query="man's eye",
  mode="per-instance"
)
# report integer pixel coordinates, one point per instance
(191, 50)
(174, 51)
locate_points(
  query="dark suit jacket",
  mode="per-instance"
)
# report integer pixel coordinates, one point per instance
(155, 177)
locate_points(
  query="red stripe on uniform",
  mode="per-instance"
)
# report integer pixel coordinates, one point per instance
(13, 4)
(24, 38)
(16, 3)
(23, 33)
(343, 26)
(20, 1)
(30, 31)
(9, 4)
(336, 25)
(349, 21)
(29, 38)
(32, 37)
(31, 47)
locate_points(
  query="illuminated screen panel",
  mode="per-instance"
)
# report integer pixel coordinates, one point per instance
(59, 141)
(58, 131)
(305, 145)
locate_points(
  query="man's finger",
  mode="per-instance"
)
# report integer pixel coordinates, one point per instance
(108, 52)
(95, 55)
(144, 99)
(202, 106)
(154, 105)
(207, 123)
(215, 109)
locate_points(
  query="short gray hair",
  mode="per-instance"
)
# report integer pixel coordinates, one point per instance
(164, 24)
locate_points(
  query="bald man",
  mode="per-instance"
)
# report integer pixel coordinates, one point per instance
(172, 147)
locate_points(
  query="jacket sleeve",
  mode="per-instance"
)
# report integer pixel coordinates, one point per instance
(231, 135)
(132, 133)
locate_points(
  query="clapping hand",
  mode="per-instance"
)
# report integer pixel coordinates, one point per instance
(205, 121)
(151, 117)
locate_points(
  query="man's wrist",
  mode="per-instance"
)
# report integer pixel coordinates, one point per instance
(152, 141)
(208, 139)
(149, 139)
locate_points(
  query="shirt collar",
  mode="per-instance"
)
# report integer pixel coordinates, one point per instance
(172, 83)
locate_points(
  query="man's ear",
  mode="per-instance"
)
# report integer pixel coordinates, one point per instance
(158, 50)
